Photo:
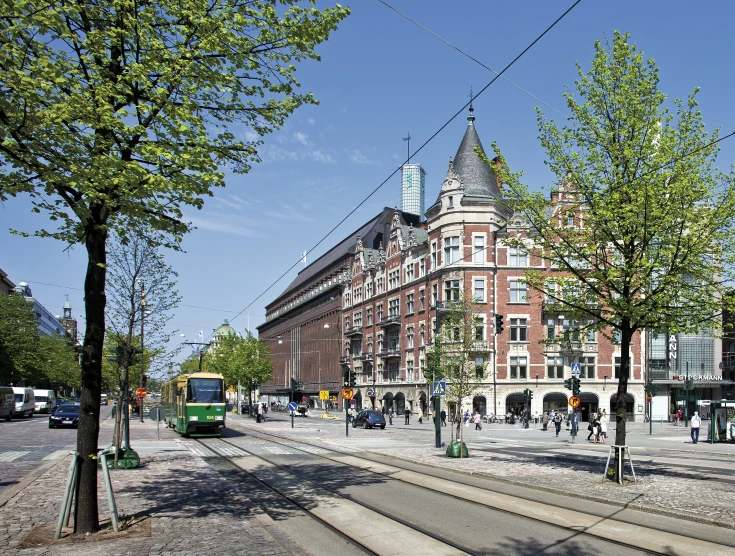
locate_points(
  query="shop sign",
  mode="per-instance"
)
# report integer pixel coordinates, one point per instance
(697, 377)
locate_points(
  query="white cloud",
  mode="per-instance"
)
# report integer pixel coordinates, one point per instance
(250, 135)
(301, 138)
(357, 157)
(277, 154)
(311, 121)
(223, 226)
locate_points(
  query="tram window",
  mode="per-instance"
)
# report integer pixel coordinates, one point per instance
(204, 390)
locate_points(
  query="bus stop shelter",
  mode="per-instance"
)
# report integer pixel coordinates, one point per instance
(722, 421)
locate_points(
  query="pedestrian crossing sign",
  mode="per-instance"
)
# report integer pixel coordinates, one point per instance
(440, 388)
(576, 368)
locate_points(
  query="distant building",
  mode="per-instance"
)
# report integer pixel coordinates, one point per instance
(413, 178)
(6, 286)
(47, 323)
(69, 323)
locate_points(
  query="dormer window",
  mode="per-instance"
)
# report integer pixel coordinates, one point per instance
(450, 201)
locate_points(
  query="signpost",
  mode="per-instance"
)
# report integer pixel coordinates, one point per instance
(440, 388)
(292, 407)
(157, 415)
(347, 394)
(574, 401)
(576, 368)
(141, 393)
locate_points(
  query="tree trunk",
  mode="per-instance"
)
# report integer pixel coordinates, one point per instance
(86, 519)
(620, 407)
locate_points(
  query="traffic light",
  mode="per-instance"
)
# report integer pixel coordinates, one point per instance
(136, 355)
(530, 396)
(498, 324)
(145, 380)
(295, 385)
(568, 384)
(345, 377)
(575, 386)
(352, 379)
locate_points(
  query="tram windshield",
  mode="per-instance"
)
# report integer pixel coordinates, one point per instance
(205, 390)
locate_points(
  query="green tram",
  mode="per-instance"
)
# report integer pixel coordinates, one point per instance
(195, 404)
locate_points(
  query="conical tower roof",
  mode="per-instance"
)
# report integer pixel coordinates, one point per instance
(473, 173)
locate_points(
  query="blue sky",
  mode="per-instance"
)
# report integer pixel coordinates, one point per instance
(380, 78)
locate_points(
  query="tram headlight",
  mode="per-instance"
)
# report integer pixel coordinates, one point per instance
(218, 417)
(194, 418)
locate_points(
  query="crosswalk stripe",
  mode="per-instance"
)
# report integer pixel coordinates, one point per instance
(12, 456)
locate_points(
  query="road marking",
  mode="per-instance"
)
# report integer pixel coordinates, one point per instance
(55, 455)
(12, 456)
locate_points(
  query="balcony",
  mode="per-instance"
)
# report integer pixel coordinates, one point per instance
(445, 306)
(390, 353)
(364, 357)
(390, 320)
(354, 331)
(480, 345)
(344, 360)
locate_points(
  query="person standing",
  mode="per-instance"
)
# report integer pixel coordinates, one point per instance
(390, 416)
(591, 427)
(421, 416)
(466, 419)
(478, 421)
(535, 417)
(545, 420)
(574, 420)
(407, 414)
(443, 415)
(596, 428)
(694, 423)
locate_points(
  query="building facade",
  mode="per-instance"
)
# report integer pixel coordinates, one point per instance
(390, 296)
(48, 324)
(413, 184)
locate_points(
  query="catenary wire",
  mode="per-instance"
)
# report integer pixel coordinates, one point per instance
(450, 120)
(445, 41)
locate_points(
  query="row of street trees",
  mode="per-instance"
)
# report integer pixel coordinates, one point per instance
(32, 358)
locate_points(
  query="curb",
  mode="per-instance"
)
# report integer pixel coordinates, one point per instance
(12, 491)
(551, 490)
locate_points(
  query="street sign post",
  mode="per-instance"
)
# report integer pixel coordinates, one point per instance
(157, 415)
(292, 407)
(440, 388)
(576, 368)
(347, 394)
(141, 393)
(574, 401)
(324, 395)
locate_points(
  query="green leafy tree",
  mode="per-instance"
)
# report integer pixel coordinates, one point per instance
(18, 340)
(58, 363)
(460, 351)
(111, 111)
(639, 228)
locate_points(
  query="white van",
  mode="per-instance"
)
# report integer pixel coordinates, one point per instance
(103, 399)
(25, 404)
(45, 400)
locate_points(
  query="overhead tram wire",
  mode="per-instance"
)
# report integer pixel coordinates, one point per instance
(450, 120)
(445, 41)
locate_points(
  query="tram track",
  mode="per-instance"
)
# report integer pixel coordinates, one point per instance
(594, 521)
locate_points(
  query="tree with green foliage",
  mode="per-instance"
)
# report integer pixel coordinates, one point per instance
(461, 351)
(112, 111)
(638, 232)
(241, 360)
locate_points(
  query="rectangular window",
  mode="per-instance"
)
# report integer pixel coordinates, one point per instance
(422, 366)
(394, 308)
(518, 367)
(451, 290)
(393, 372)
(409, 273)
(409, 370)
(550, 329)
(380, 313)
(450, 202)
(422, 327)
(380, 343)
(478, 250)
(451, 250)
(356, 348)
(589, 332)
(518, 330)
(555, 367)
(422, 266)
(422, 300)
(357, 319)
(479, 368)
(618, 363)
(479, 325)
(370, 345)
(433, 256)
(434, 295)
(587, 365)
(409, 337)
(409, 304)
(517, 291)
(570, 219)
(394, 279)
(517, 257)
(369, 316)
(479, 290)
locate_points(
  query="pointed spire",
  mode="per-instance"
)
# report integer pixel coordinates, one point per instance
(471, 117)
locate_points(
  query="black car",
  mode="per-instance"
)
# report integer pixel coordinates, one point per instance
(66, 415)
(369, 418)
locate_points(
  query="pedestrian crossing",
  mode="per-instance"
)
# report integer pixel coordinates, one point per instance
(7, 457)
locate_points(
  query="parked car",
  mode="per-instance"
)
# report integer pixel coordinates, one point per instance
(302, 410)
(369, 418)
(66, 415)
(25, 403)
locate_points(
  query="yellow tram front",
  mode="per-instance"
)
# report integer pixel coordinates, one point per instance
(196, 404)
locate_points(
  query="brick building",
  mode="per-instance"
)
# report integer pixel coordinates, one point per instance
(386, 296)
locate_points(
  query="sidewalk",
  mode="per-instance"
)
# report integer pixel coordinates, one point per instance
(702, 496)
(190, 508)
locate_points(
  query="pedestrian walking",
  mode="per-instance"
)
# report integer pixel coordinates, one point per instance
(678, 416)
(443, 415)
(590, 426)
(596, 428)
(407, 414)
(603, 427)
(507, 418)
(535, 417)
(694, 424)
(421, 416)
(545, 420)
(478, 421)
(390, 416)
(466, 419)
(557, 422)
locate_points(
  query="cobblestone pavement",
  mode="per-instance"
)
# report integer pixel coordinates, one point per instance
(705, 495)
(193, 509)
